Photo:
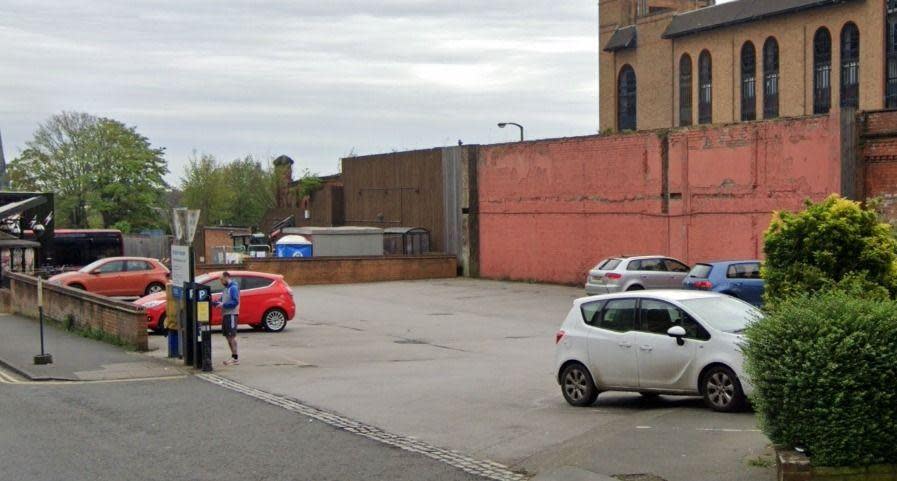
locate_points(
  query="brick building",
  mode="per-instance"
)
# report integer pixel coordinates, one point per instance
(675, 63)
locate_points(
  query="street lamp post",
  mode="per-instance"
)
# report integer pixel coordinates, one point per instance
(502, 125)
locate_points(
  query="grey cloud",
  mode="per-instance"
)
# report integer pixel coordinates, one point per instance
(310, 78)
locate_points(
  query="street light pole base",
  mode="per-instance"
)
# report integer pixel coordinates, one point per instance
(43, 359)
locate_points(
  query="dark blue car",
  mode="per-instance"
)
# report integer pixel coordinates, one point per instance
(739, 279)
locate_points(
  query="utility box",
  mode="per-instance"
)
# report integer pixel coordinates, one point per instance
(341, 241)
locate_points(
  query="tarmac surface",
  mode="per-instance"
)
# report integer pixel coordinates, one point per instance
(183, 429)
(467, 365)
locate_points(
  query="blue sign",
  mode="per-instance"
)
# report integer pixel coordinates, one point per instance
(202, 295)
(177, 292)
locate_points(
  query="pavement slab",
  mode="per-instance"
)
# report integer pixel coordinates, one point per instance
(75, 358)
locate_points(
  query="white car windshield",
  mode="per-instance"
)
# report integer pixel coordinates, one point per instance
(724, 313)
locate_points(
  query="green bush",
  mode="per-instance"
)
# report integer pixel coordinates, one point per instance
(816, 249)
(824, 369)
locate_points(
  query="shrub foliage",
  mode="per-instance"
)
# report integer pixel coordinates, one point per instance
(824, 368)
(821, 246)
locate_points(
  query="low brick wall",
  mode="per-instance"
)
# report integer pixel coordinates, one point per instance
(201, 269)
(119, 319)
(347, 270)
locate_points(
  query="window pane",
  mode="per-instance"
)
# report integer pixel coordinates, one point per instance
(685, 88)
(744, 271)
(748, 82)
(701, 271)
(254, 282)
(771, 79)
(590, 311)
(116, 266)
(626, 96)
(850, 66)
(658, 317)
(610, 264)
(705, 85)
(137, 266)
(822, 72)
(619, 315)
(653, 265)
(676, 266)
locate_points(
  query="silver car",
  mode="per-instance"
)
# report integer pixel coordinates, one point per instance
(619, 274)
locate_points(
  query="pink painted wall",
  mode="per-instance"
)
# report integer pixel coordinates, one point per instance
(549, 210)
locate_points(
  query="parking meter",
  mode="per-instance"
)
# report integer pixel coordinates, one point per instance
(204, 325)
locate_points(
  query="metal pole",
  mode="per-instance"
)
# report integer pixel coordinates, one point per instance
(43, 357)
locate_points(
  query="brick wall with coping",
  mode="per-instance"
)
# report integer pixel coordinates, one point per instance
(350, 270)
(119, 319)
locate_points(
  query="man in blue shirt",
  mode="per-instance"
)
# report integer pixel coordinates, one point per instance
(230, 305)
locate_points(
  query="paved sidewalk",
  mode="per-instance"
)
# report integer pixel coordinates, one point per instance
(75, 358)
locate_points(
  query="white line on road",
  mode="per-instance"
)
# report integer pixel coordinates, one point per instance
(486, 469)
(721, 430)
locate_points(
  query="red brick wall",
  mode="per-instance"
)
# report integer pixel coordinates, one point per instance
(879, 150)
(117, 318)
(350, 270)
(549, 210)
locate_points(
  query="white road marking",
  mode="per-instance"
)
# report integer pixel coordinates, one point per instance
(722, 430)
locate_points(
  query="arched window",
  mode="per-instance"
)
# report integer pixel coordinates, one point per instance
(891, 86)
(748, 82)
(850, 66)
(705, 88)
(685, 87)
(626, 99)
(770, 79)
(822, 71)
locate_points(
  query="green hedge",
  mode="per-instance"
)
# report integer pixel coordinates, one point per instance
(825, 372)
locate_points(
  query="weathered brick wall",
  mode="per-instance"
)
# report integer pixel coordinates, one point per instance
(878, 143)
(117, 318)
(348, 270)
(549, 210)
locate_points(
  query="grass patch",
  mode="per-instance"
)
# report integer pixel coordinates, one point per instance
(760, 462)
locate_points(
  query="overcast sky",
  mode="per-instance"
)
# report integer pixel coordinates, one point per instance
(313, 79)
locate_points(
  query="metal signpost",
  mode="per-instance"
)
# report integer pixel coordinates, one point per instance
(181, 279)
(184, 288)
(43, 357)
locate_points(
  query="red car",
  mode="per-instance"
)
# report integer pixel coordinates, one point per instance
(117, 276)
(266, 301)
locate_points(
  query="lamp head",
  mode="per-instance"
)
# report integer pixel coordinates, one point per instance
(502, 125)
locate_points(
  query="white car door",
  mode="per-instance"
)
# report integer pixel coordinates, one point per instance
(663, 362)
(611, 340)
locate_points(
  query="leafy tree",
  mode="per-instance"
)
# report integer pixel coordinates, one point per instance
(253, 185)
(828, 242)
(204, 187)
(97, 167)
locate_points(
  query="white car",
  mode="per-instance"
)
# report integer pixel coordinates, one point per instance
(655, 342)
